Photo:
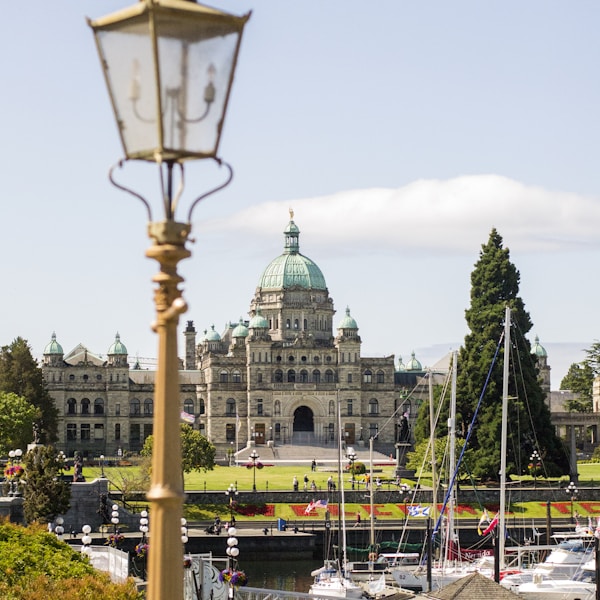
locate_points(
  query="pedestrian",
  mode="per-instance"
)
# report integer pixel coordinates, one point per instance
(295, 483)
(357, 524)
(330, 484)
(313, 486)
(313, 466)
(305, 481)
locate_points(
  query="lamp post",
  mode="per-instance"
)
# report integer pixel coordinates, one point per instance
(351, 456)
(534, 465)
(254, 458)
(231, 491)
(114, 517)
(404, 488)
(86, 540)
(232, 552)
(102, 466)
(571, 490)
(15, 459)
(58, 527)
(169, 68)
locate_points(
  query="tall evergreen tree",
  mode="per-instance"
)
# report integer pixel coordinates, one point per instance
(495, 285)
(21, 375)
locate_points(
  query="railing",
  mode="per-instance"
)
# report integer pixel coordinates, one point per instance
(250, 593)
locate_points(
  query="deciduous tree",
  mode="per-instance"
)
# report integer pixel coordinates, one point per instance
(17, 417)
(579, 380)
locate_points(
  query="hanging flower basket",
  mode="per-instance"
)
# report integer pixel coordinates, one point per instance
(114, 539)
(14, 471)
(233, 577)
(141, 550)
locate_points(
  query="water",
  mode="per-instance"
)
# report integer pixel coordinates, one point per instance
(289, 575)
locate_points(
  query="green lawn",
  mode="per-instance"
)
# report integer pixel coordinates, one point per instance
(280, 478)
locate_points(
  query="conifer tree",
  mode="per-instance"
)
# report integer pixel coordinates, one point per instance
(21, 375)
(495, 285)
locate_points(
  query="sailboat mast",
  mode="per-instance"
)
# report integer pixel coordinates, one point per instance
(503, 438)
(432, 414)
(452, 449)
(342, 497)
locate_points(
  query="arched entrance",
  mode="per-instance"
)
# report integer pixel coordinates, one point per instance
(304, 425)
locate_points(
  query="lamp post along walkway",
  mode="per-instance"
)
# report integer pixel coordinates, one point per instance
(155, 55)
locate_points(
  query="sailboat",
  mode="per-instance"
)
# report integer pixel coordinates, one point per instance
(332, 579)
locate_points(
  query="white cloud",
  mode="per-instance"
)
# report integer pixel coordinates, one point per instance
(434, 217)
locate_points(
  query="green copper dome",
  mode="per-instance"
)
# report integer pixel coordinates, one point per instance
(212, 335)
(117, 347)
(258, 321)
(413, 364)
(292, 269)
(538, 349)
(241, 331)
(347, 322)
(53, 347)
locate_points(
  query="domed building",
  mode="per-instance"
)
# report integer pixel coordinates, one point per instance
(276, 377)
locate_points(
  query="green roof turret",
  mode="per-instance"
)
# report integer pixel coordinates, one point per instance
(53, 347)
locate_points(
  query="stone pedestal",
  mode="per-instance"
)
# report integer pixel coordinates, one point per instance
(402, 448)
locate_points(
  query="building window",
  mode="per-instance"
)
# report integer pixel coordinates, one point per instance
(223, 377)
(85, 431)
(134, 432)
(230, 407)
(380, 377)
(85, 406)
(296, 324)
(277, 431)
(278, 376)
(99, 431)
(117, 431)
(98, 406)
(147, 430)
(277, 408)
(71, 432)
(237, 377)
(85, 378)
(201, 428)
(230, 432)
(259, 378)
(291, 376)
(373, 429)
(98, 377)
(373, 407)
(287, 324)
(368, 376)
(305, 324)
(259, 407)
(71, 377)
(349, 408)
(134, 407)
(117, 409)
(148, 407)
(303, 376)
(329, 376)
(71, 406)
(331, 430)
(316, 376)
(349, 377)
(188, 406)
(331, 407)
(202, 406)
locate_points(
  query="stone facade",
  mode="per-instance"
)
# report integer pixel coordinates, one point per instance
(276, 378)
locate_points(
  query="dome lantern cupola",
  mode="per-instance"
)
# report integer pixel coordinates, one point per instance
(240, 331)
(538, 349)
(413, 364)
(53, 347)
(117, 353)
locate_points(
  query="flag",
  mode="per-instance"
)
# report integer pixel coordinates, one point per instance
(491, 526)
(419, 511)
(309, 508)
(483, 522)
(187, 418)
(321, 504)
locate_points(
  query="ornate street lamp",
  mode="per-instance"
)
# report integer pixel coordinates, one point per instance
(231, 491)
(404, 488)
(534, 465)
(58, 527)
(572, 490)
(254, 458)
(232, 552)
(16, 471)
(351, 456)
(86, 540)
(169, 67)
(102, 466)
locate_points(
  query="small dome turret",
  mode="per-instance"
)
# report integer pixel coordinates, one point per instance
(117, 346)
(538, 349)
(401, 365)
(413, 364)
(241, 331)
(258, 321)
(53, 347)
(347, 322)
(212, 335)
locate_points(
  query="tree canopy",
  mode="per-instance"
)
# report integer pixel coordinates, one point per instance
(197, 453)
(45, 494)
(579, 380)
(21, 375)
(17, 417)
(495, 285)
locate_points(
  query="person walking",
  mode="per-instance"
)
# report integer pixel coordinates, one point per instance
(305, 482)
(295, 483)
(357, 523)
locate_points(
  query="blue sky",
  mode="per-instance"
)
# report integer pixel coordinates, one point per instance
(399, 132)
